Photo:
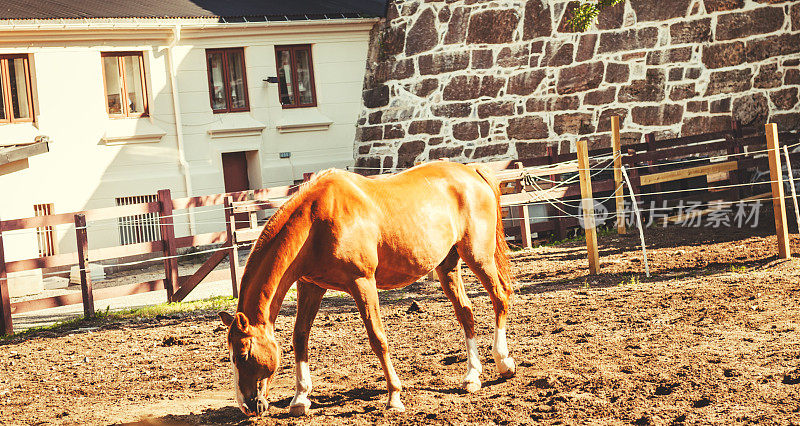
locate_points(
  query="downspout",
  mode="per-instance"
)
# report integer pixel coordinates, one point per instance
(187, 180)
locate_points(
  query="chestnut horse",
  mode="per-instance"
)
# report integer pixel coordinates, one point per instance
(346, 232)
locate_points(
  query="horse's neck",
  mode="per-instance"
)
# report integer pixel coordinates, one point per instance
(270, 272)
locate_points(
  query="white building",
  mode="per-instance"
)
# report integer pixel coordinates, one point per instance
(196, 96)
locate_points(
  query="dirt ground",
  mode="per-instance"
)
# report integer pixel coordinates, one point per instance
(712, 337)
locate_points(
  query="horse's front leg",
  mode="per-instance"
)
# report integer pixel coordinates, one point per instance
(365, 294)
(309, 297)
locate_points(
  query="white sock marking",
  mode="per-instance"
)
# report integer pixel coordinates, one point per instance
(302, 384)
(474, 367)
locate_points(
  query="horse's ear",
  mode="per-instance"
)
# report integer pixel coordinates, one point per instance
(241, 322)
(227, 319)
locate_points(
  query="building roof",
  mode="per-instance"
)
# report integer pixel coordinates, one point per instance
(224, 10)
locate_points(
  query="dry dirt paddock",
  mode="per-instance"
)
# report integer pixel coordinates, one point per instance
(712, 337)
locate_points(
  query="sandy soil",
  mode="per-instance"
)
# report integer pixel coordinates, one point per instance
(712, 337)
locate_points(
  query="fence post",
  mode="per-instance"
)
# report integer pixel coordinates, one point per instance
(6, 327)
(168, 239)
(735, 177)
(233, 250)
(559, 224)
(588, 206)
(791, 186)
(776, 177)
(650, 140)
(619, 191)
(524, 217)
(83, 265)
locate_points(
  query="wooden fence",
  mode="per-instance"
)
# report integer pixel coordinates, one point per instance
(659, 169)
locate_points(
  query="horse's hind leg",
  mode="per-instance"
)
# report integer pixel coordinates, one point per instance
(482, 263)
(365, 294)
(449, 272)
(309, 297)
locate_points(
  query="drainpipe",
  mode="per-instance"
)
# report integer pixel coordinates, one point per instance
(187, 180)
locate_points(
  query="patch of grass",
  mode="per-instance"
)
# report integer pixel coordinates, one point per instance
(632, 281)
(107, 316)
(740, 269)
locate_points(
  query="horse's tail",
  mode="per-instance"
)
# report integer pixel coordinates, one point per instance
(501, 247)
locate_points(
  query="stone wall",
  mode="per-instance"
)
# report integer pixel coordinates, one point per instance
(483, 80)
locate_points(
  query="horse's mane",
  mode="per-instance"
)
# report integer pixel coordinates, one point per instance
(277, 221)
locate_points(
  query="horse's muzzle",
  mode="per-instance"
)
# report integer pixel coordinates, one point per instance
(255, 406)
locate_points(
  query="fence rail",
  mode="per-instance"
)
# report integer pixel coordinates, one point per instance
(657, 168)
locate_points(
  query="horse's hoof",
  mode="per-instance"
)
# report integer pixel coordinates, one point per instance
(396, 408)
(299, 410)
(472, 387)
(507, 368)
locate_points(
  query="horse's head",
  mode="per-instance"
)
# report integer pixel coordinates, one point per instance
(255, 356)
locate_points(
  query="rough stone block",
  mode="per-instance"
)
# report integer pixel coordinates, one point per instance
(651, 89)
(697, 106)
(368, 165)
(611, 17)
(452, 110)
(784, 99)
(530, 149)
(617, 73)
(786, 122)
(649, 10)
(527, 128)
(457, 28)
(729, 81)
(466, 131)
(491, 85)
(537, 21)
(494, 150)
(376, 97)
(556, 54)
(496, 108)
(575, 123)
(393, 131)
(462, 87)
(751, 110)
(680, 92)
(791, 76)
(408, 152)
(580, 78)
(444, 14)
(705, 124)
(743, 24)
(566, 12)
(772, 46)
(424, 87)
(586, 48)
(722, 5)
(482, 59)
(375, 117)
(632, 39)
(721, 55)
(393, 39)
(660, 115)
(659, 57)
(601, 97)
(675, 74)
(696, 31)
(492, 26)
(422, 36)
(604, 122)
(515, 56)
(768, 76)
(794, 15)
(445, 152)
(369, 133)
(526, 82)
(720, 105)
(557, 103)
(443, 62)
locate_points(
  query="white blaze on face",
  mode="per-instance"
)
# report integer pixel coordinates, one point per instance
(239, 396)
